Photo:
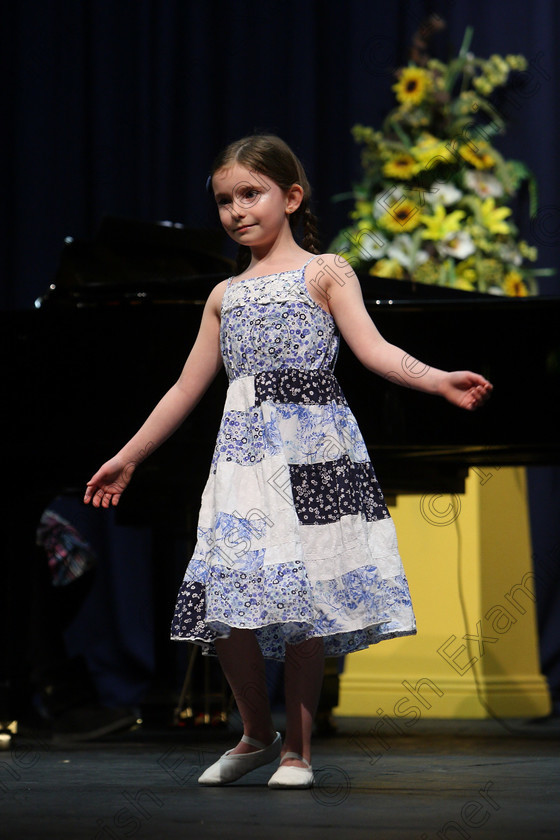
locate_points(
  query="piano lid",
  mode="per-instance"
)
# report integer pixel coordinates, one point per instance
(131, 261)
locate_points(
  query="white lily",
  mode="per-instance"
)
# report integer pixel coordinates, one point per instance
(370, 245)
(483, 184)
(404, 249)
(459, 245)
(445, 194)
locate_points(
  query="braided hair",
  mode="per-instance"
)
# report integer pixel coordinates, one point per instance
(269, 155)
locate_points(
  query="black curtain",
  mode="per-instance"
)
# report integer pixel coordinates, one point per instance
(117, 107)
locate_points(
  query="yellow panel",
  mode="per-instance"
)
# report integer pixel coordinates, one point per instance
(468, 562)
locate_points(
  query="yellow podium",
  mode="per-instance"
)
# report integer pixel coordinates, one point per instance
(468, 562)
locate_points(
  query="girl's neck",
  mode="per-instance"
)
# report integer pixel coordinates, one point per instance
(282, 256)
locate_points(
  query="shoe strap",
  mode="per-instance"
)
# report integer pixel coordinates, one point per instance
(258, 744)
(295, 755)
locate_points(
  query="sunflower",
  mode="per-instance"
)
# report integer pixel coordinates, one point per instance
(412, 86)
(513, 285)
(402, 218)
(402, 166)
(479, 155)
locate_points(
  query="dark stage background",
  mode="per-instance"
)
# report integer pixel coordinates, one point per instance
(117, 107)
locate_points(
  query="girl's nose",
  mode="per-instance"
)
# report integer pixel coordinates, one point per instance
(237, 210)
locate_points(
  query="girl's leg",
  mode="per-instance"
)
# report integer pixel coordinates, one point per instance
(243, 665)
(303, 676)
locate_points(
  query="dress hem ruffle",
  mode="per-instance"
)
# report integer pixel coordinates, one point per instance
(208, 648)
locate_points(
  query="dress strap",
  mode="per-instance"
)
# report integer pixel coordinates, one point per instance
(314, 256)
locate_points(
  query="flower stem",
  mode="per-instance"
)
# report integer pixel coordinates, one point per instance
(467, 38)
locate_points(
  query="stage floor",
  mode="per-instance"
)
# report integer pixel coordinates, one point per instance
(443, 779)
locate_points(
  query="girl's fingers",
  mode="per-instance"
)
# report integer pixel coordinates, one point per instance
(99, 491)
(98, 498)
(105, 499)
(89, 494)
(480, 394)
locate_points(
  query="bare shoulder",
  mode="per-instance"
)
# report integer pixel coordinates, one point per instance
(334, 266)
(328, 274)
(214, 300)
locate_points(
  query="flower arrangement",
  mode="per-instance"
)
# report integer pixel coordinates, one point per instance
(433, 205)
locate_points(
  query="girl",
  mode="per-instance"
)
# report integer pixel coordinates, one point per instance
(296, 556)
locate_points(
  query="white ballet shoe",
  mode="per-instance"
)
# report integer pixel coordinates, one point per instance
(230, 767)
(292, 777)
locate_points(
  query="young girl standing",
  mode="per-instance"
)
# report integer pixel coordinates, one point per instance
(296, 555)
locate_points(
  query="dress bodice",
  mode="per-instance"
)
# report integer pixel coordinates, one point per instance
(271, 323)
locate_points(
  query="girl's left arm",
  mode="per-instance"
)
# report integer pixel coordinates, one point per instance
(337, 283)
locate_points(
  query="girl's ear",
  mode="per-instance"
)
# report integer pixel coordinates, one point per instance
(294, 197)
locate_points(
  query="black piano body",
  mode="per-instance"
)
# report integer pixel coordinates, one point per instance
(114, 329)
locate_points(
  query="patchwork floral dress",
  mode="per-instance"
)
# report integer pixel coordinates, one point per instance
(294, 538)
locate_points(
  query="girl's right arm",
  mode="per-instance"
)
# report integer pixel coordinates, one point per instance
(202, 365)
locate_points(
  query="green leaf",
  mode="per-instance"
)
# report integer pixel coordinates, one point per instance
(343, 196)
(520, 173)
(467, 38)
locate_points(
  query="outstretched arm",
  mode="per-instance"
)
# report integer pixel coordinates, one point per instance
(203, 363)
(333, 283)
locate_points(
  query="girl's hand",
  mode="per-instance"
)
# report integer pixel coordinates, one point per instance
(465, 389)
(108, 483)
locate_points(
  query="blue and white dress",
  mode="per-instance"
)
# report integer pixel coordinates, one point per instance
(294, 538)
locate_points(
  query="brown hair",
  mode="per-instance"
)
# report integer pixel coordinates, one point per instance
(271, 156)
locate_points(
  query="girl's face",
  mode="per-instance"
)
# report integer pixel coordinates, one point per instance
(253, 209)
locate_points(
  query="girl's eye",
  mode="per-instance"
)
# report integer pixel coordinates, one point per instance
(248, 196)
(242, 196)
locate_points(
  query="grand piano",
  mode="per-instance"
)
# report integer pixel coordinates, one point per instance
(111, 334)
